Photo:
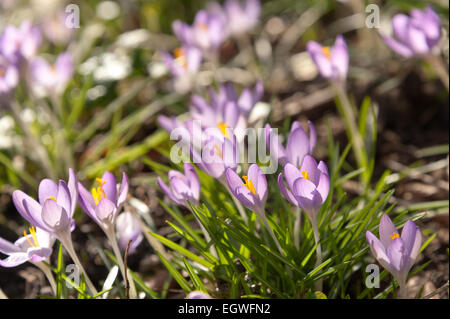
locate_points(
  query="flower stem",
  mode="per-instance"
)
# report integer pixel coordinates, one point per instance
(318, 285)
(67, 243)
(440, 68)
(212, 248)
(272, 234)
(402, 291)
(115, 246)
(297, 225)
(48, 273)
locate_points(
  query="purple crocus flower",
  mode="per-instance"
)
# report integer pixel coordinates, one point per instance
(34, 247)
(185, 61)
(103, 203)
(396, 253)
(54, 211)
(297, 147)
(251, 190)
(308, 186)
(20, 43)
(55, 29)
(206, 33)
(332, 63)
(218, 154)
(53, 78)
(182, 188)
(128, 228)
(242, 16)
(416, 34)
(9, 76)
(196, 294)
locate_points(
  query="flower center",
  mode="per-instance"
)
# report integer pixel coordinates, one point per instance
(180, 57)
(203, 26)
(327, 52)
(223, 128)
(394, 235)
(249, 184)
(35, 242)
(2, 71)
(98, 193)
(305, 175)
(218, 151)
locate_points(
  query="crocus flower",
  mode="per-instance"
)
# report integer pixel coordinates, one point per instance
(297, 147)
(34, 247)
(332, 63)
(218, 154)
(241, 16)
(55, 29)
(251, 190)
(9, 76)
(416, 34)
(20, 43)
(182, 188)
(206, 33)
(128, 228)
(54, 211)
(53, 78)
(308, 186)
(196, 294)
(103, 203)
(185, 61)
(396, 253)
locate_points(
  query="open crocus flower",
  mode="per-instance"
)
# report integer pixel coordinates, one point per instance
(396, 253)
(185, 61)
(251, 190)
(53, 78)
(206, 33)
(103, 203)
(308, 186)
(415, 35)
(9, 76)
(20, 43)
(297, 147)
(241, 16)
(128, 228)
(182, 188)
(332, 63)
(34, 247)
(218, 154)
(54, 211)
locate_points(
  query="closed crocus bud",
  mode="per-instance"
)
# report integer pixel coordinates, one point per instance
(53, 77)
(308, 186)
(128, 228)
(297, 147)
(396, 253)
(54, 211)
(416, 34)
(251, 190)
(332, 62)
(182, 188)
(104, 202)
(34, 247)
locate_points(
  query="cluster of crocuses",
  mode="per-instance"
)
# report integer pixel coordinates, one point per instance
(18, 59)
(51, 218)
(211, 27)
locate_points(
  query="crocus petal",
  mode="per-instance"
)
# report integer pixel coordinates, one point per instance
(323, 187)
(37, 254)
(47, 188)
(339, 56)
(396, 46)
(14, 260)
(312, 137)
(28, 208)
(105, 211)
(166, 189)
(297, 146)
(86, 201)
(400, 27)
(110, 187)
(378, 250)
(192, 177)
(123, 191)
(306, 194)
(63, 198)
(73, 190)
(387, 229)
(418, 40)
(412, 239)
(310, 165)
(55, 216)
(259, 181)
(285, 192)
(398, 257)
(7, 247)
(291, 173)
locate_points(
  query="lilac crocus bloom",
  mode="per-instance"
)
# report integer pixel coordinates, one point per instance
(34, 247)
(218, 154)
(416, 34)
(20, 43)
(396, 253)
(9, 76)
(53, 78)
(182, 188)
(196, 294)
(332, 63)
(297, 147)
(54, 211)
(55, 29)
(128, 228)
(206, 33)
(308, 187)
(251, 190)
(185, 61)
(104, 202)
(242, 16)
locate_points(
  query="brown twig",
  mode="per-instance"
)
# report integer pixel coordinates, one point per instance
(436, 291)
(125, 262)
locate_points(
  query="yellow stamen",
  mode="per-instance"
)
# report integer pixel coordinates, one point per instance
(33, 234)
(394, 235)
(2, 71)
(180, 57)
(249, 184)
(98, 193)
(218, 151)
(28, 240)
(223, 128)
(52, 198)
(327, 52)
(203, 26)
(305, 175)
